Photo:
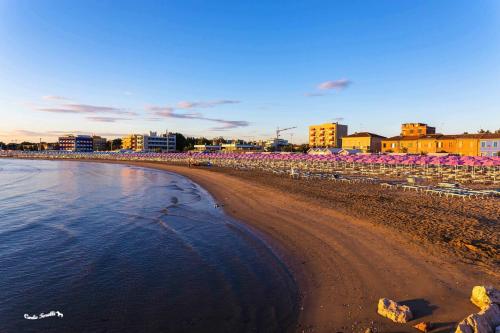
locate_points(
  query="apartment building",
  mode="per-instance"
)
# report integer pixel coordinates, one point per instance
(82, 143)
(327, 135)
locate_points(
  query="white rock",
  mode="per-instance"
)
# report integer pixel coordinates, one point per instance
(484, 296)
(484, 321)
(395, 312)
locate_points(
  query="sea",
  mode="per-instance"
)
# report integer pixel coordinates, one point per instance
(96, 247)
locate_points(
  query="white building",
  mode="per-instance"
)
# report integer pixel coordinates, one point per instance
(161, 143)
(275, 144)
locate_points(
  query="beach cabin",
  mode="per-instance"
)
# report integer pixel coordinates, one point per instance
(332, 151)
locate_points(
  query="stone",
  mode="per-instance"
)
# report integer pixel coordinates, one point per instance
(423, 326)
(484, 321)
(484, 296)
(393, 311)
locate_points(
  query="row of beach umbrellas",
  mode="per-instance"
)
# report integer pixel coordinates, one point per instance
(449, 160)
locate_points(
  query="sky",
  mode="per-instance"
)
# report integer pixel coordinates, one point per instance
(239, 69)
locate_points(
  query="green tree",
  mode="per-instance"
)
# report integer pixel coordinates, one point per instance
(219, 140)
(180, 142)
(114, 144)
(482, 131)
(2, 145)
(12, 146)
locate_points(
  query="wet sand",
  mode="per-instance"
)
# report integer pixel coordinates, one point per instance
(343, 264)
(346, 252)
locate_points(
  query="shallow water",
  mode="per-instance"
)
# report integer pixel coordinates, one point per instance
(126, 249)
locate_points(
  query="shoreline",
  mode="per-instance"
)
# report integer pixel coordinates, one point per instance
(342, 264)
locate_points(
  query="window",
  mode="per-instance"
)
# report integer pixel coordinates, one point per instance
(483, 144)
(495, 144)
(393, 145)
(385, 145)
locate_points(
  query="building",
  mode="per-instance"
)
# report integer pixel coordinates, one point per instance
(327, 135)
(366, 142)
(239, 146)
(275, 144)
(82, 143)
(416, 129)
(207, 148)
(483, 144)
(133, 142)
(158, 143)
(99, 143)
(489, 145)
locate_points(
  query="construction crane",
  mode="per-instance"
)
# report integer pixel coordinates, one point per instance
(278, 131)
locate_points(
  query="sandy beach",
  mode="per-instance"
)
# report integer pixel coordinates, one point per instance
(343, 264)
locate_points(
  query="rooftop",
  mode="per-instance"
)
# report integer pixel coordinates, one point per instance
(364, 134)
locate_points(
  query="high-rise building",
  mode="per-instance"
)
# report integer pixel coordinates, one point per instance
(81, 143)
(327, 135)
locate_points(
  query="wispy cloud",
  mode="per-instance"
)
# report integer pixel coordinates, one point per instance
(314, 94)
(208, 104)
(54, 98)
(169, 112)
(337, 84)
(106, 119)
(329, 85)
(55, 134)
(228, 124)
(86, 109)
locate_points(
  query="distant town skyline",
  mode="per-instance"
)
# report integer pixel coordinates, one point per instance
(239, 70)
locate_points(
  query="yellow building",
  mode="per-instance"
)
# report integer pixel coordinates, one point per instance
(364, 141)
(416, 129)
(327, 135)
(133, 142)
(461, 144)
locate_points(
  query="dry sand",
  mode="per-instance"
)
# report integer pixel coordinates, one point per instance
(342, 264)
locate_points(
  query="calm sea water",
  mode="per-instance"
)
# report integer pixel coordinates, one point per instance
(125, 249)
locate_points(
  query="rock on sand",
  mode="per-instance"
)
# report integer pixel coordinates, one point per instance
(484, 296)
(395, 312)
(484, 321)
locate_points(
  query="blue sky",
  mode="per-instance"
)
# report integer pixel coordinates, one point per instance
(239, 69)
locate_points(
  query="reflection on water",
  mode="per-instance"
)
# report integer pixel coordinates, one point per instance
(125, 249)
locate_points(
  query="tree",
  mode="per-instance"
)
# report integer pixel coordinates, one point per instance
(2, 145)
(12, 146)
(219, 140)
(180, 142)
(114, 144)
(482, 131)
